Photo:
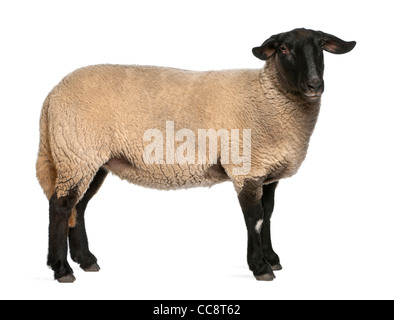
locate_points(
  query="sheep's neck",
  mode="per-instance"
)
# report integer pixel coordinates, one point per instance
(292, 118)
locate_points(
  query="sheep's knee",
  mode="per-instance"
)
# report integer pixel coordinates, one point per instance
(251, 191)
(62, 207)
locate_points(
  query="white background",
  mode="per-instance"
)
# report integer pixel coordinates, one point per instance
(333, 226)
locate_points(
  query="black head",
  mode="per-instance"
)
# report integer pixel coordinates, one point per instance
(299, 58)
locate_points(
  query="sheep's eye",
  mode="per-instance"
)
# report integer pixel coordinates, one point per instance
(284, 49)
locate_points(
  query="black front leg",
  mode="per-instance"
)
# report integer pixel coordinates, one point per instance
(252, 208)
(268, 201)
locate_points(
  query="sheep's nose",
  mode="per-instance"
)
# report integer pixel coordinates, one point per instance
(314, 84)
(312, 89)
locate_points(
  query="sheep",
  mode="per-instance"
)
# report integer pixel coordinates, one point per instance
(114, 118)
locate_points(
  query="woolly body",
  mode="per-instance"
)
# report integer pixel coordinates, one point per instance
(96, 117)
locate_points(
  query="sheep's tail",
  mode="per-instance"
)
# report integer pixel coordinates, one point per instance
(45, 167)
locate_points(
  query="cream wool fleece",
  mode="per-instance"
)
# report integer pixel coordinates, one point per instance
(97, 116)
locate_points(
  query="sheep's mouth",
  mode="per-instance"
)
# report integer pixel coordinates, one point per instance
(312, 97)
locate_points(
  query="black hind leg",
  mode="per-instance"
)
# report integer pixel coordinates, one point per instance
(79, 247)
(59, 214)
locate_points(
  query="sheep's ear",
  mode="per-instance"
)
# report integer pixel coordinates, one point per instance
(267, 49)
(335, 45)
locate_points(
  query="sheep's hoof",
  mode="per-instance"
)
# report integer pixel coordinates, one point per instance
(93, 268)
(277, 267)
(67, 279)
(266, 277)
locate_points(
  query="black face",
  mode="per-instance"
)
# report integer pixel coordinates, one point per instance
(299, 57)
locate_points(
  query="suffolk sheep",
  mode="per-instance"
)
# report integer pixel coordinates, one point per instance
(169, 129)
